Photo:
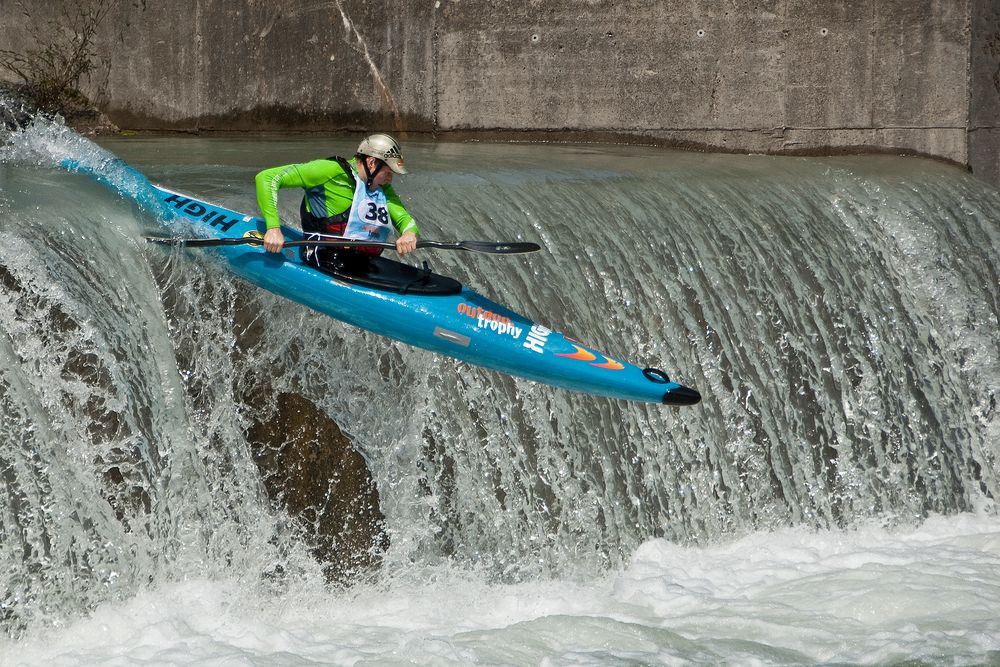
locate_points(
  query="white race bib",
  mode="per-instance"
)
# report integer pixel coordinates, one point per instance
(369, 217)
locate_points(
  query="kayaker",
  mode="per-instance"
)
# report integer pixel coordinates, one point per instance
(345, 198)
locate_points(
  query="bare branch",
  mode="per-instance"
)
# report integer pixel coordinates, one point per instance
(66, 51)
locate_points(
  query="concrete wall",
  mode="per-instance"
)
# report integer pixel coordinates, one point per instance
(984, 91)
(744, 75)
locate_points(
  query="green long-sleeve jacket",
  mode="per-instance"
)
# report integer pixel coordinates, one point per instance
(328, 192)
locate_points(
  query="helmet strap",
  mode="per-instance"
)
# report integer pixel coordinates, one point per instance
(369, 174)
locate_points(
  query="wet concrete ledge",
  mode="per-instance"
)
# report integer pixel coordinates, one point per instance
(772, 141)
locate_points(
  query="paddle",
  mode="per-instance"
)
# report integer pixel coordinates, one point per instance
(502, 248)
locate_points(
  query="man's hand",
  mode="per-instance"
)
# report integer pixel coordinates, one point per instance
(274, 239)
(406, 243)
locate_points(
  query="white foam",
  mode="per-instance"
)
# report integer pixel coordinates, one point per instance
(866, 595)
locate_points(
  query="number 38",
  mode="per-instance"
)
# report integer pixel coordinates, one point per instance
(377, 213)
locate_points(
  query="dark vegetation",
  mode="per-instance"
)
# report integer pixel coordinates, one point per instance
(62, 57)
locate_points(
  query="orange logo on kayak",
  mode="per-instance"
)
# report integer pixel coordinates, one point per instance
(477, 312)
(583, 354)
(610, 364)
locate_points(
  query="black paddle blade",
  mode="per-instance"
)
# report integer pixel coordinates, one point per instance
(204, 243)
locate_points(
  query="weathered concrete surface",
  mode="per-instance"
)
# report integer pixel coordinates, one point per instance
(262, 65)
(777, 76)
(770, 76)
(984, 93)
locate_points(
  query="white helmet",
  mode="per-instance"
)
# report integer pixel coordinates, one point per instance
(385, 148)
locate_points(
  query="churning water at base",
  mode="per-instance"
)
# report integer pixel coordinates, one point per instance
(791, 597)
(832, 498)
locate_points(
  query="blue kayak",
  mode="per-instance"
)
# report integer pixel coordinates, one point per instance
(424, 310)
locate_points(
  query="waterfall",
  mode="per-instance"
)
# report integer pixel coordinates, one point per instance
(839, 316)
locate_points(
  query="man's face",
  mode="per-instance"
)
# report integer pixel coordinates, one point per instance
(384, 175)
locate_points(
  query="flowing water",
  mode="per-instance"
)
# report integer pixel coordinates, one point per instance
(831, 500)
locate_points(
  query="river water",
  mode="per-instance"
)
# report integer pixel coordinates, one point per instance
(831, 500)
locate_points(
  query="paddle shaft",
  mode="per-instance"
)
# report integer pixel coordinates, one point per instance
(501, 248)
